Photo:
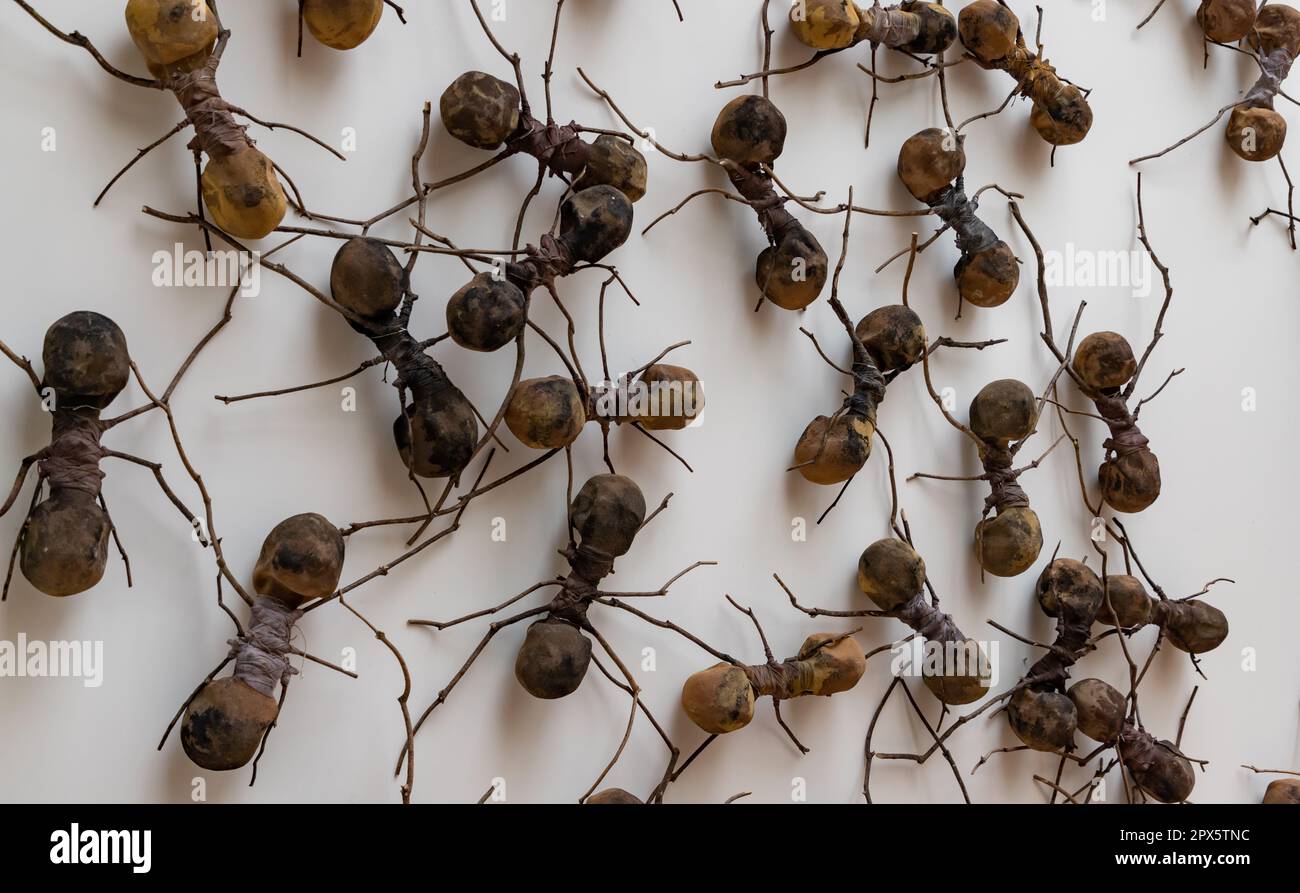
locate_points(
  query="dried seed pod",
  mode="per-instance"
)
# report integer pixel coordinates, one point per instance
(937, 28)
(1194, 626)
(487, 313)
(342, 24)
(929, 162)
(825, 24)
(793, 273)
(1043, 720)
(1100, 708)
(1105, 361)
(1065, 119)
(301, 559)
(613, 795)
(1255, 133)
(613, 161)
(594, 222)
(480, 110)
(962, 676)
(672, 400)
(1283, 790)
(988, 30)
(607, 513)
(833, 668)
(891, 573)
(65, 544)
(553, 659)
(86, 360)
(166, 31)
(988, 278)
(1130, 482)
(836, 456)
(1072, 584)
(1004, 411)
(1163, 772)
(1226, 21)
(1277, 27)
(1008, 545)
(436, 435)
(894, 336)
(225, 723)
(1132, 606)
(243, 194)
(719, 699)
(366, 278)
(750, 130)
(546, 413)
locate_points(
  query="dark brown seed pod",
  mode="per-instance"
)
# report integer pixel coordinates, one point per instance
(1064, 119)
(1194, 626)
(480, 110)
(1008, 544)
(1043, 720)
(1130, 482)
(962, 676)
(366, 278)
(225, 723)
(613, 795)
(1104, 361)
(613, 161)
(546, 413)
(894, 336)
(891, 573)
(988, 278)
(594, 222)
(929, 162)
(86, 360)
(1130, 601)
(65, 545)
(487, 313)
(1166, 775)
(342, 24)
(749, 130)
(1283, 790)
(672, 399)
(1226, 21)
(1100, 708)
(553, 659)
(301, 559)
(719, 699)
(988, 30)
(436, 436)
(792, 274)
(1254, 133)
(937, 28)
(835, 457)
(607, 513)
(1072, 583)
(1003, 411)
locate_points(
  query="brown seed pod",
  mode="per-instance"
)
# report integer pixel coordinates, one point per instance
(342, 24)
(937, 28)
(553, 659)
(835, 457)
(988, 278)
(750, 130)
(1100, 708)
(1072, 584)
(1255, 133)
(1130, 482)
(613, 795)
(225, 723)
(1283, 790)
(480, 110)
(487, 313)
(1130, 601)
(825, 24)
(962, 676)
(436, 435)
(243, 194)
(833, 668)
(166, 31)
(607, 513)
(988, 30)
(929, 162)
(1064, 119)
(1167, 775)
(1277, 27)
(546, 413)
(1003, 411)
(594, 222)
(613, 161)
(366, 278)
(86, 360)
(65, 544)
(1104, 361)
(1194, 626)
(1226, 21)
(1043, 720)
(1008, 544)
(672, 400)
(719, 699)
(301, 559)
(792, 274)
(891, 573)
(894, 336)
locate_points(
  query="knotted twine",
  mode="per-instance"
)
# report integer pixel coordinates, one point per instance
(888, 26)
(1004, 490)
(71, 461)
(216, 131)
(261, 654)
(1274, 68)
(1125, 438)
(958, 211)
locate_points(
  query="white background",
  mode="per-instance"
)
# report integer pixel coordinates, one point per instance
(1229, 475)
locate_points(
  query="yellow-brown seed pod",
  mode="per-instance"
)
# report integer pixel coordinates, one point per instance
(672, 398)
(546, 413)
(988, 30)
(1065, 119)
(1008, 544)
(166, 31)
(929, 161)
(719, 699)
(749, 130)
(835, 457)
(301, 559)
(963, 676)
(1283, 790)
(1104, 360)
(1003, 411)
(825, 24)
(835, 668)
(988, 278)
(1130, 604)
(1276, 27)
(243, 194)
(890, 573)
(893, 335)
(342, 24)
(1255, 133)
(792, 274)
(1226, 21)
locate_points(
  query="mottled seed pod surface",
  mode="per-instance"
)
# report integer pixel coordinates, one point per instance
(480, 110)
(86, 360)
(1131, 482)
(1169, 778)
(65, 546)
(1070, 582)
(1008, 544)
(224, 724)
(546, 413)
(613, 161)
(613, 795)
(1104, 360)
(835, 668)
(436, 436)
(792, 274)
(673, 398)
(1276, 27)
(243, 194)
(894, 336)
(988, 30)
(342, 24)
(1226, 21)
(1255, 134)
(487, 313)
(1283, 790)
(1195, 627)
(825, 24)
(166, 31)
(553, 659)
(1063, 120)
(749, 130)
(963, 675)
(890, 573)
(1043, 720)
(301, 559)
(1100, 709)
(607, 513)
(987, 278)
(937, 32)
(1131, 604)
(836, 455)
(719, 699)
(1003, 411)
(929, 161)
(594, 222)
(366, 278)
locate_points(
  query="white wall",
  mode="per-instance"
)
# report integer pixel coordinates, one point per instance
(1229, 475)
